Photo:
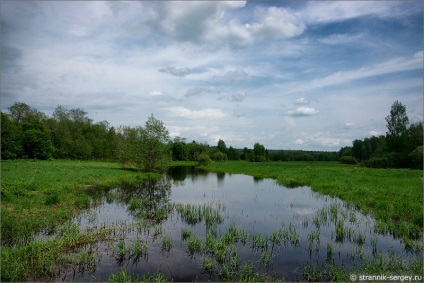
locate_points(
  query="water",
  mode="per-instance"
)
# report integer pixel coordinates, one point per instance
(313, 229)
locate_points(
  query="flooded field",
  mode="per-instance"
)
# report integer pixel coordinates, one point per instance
(198, 225)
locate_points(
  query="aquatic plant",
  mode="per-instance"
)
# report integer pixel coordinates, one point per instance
(166, 243)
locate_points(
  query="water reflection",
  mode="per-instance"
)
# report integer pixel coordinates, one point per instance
(232, 217)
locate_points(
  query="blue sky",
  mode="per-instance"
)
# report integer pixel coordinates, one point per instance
(288, 74)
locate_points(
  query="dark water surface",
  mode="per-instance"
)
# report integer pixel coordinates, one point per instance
(148, 212)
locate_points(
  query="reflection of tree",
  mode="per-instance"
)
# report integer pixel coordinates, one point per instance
(178, 173)
(150, 199)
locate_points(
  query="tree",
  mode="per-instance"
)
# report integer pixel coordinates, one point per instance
(221, 146)
(36, 141)
(397, 123)
(179, 151)
(155, 154)
(259, 153)
(11, 143)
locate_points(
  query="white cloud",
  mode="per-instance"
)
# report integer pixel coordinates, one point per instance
(376, 133)
(303, 111)
(156, 93)
(301, 101)
(335, 39)
(204, 113)
(390, 66)
(330, 11)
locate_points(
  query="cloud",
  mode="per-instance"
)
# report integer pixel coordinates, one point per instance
(301, 101)
(236, 75)
(390, 66)
(239, 96)
(155, 93)
(303, 111)
(333, 11)
(178, 72)
(271, 23)
(204, 113)
(336, 39)
(201, 90)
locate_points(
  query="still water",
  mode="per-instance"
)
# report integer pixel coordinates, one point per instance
(300, 227)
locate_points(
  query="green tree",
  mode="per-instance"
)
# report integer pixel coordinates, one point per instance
(179, 150)
(154, 153)
(233, 154)
(23, 113)
(36, 141)
(397, 123)
(11, 141)
(259, 153)
(221, 146)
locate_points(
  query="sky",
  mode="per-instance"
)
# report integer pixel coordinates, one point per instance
(287, 74)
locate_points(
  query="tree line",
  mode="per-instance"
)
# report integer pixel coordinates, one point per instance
(71, 134)
(401, 147)
(27, 133)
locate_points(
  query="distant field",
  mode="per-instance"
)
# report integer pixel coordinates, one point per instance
(393, 196)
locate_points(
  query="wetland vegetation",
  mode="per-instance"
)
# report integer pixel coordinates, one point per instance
(195, 225)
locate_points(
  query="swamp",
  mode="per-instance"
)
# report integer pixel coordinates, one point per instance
(191, 224)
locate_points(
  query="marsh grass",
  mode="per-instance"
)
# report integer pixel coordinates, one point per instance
(393, 196)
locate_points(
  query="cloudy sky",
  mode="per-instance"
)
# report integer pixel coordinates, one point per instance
(288, 74)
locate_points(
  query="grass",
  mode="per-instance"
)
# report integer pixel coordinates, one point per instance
(392, 196)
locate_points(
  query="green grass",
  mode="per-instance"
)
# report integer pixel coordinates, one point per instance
(39, 195)
(393, 196)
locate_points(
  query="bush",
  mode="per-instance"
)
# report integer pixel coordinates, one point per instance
(219, 156)
(204, 159)
(348, 160)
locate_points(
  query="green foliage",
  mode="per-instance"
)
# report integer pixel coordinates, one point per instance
(259, 153)
(400, 148)
(204, 159)
(145, 148)
(348, 160)
(179, 151)
(416, 157)
(222, 147)
(219, 156)
(397, 123)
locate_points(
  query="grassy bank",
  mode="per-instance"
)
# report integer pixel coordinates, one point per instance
(393, 196)
(40, 194)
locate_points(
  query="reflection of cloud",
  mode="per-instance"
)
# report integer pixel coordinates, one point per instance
(178, 72)
(303, 111)
(304, 210)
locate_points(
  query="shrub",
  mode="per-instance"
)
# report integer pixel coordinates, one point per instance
(204, 159)
(348, 160)
(219, 156)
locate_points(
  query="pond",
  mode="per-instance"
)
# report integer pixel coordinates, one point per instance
(197, 225)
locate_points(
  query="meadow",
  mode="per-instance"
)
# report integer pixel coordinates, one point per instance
(38, 197)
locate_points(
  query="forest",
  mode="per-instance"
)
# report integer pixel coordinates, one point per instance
(27, 133)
